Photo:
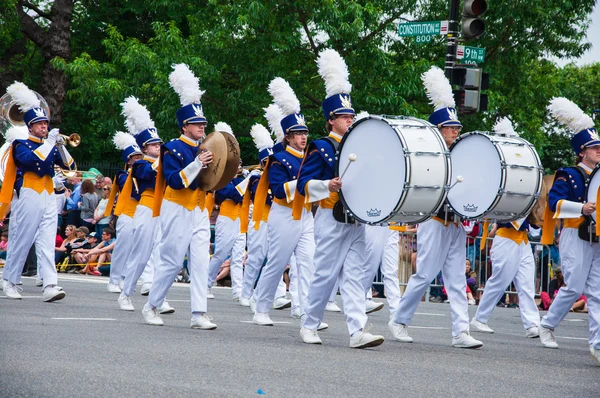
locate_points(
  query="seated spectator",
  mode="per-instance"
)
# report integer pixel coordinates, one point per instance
(59, 239)
(555, 284)
(100, 255)
(60, 253)
(90, 243)
(471, 277)
(3, 246)
(100, 221)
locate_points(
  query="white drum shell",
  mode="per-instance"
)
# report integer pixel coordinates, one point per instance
(401, 172)
(592, 188)
(502, 177)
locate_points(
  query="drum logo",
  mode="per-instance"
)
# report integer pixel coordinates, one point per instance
(470, 208)
(373, 213)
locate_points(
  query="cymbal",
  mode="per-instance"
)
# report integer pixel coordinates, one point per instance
(233, 161)
(210, 176)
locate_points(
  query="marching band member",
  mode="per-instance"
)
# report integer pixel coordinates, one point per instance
(285, 235)
(29, 173)
(124, 210)
(441, 241)
(258, 230)
(141, 186)
(229, 241)
(340, 246)
(183, 216)
(512, 261)
(579, 247)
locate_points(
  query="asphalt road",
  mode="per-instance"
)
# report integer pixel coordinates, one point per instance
(84, 346)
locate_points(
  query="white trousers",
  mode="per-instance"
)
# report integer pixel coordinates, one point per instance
(33, 220)
(439, 247)
(511, 263)
(340, 252)
(580, 263)
(184, 231)
(228, 242)
(145, 229)
(286, 237)
(122, 249)
(258, 244)
(148, 274)
(382, 250)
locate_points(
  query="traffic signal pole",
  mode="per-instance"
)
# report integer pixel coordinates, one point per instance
(452, 39)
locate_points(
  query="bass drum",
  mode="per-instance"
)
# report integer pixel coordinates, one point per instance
(401, 172)
(502, 177)
(592, 188)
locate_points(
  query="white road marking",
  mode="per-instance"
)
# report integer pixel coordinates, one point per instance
(432, 314)
(572, 338)
(273, 322)
(24, 297)
(428, 327)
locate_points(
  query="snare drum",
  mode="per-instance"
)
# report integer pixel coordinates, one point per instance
(401, 172)
(502, 177)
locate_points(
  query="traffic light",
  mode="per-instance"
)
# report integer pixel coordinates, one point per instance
(471, 81)
(472, 26)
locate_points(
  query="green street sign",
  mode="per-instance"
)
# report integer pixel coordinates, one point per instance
(423, 28)
(470, 55)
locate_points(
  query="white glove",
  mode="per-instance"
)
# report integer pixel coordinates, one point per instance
(255, 172)
(53, 135)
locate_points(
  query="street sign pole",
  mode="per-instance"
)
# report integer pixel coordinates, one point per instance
(451, 39)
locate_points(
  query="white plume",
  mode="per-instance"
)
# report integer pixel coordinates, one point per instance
(261, 137)
(505, 127)
(185, 84)
(284, 96)
(361, 115)
(274, 115)
(334, 71)
(438, 88)
(23, 96)
(16, 133)
(137, 116)
(569, 114)
(223, 128)
(123, 140)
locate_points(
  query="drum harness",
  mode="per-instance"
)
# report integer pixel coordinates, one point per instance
(587, 229)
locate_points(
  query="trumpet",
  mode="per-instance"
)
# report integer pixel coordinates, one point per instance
(73, 140)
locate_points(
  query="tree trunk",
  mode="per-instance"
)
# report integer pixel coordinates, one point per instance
(53, 41)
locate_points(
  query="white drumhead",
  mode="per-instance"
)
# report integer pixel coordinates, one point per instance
(592, 189)
(476, 159)
(373, 184)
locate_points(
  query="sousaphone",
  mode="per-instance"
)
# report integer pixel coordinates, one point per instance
(226, 160)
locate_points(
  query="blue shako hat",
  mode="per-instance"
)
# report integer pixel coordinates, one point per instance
(126, 144)
(263, 142)
(148, 136)
(572, 117)
(130, 150)
(439, 93)
(286, 99)
(334, 71)
(139, 123)
(187, 86)
(444, 117)
(29, 102)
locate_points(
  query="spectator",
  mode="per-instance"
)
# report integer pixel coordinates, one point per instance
(99, 219)
(90, 243)
(60, 253)
(3, 246)
(73, 201)
(555, 284)
(59, 239)
(89, 202)
(101, 254)
(471, 277)
(99, 185)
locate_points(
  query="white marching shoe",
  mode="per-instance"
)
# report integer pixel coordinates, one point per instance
(209, 294)
(112, 288)
(372, 306)
(11, 291)
(203, 322)
(476, 326)
(281, 303)
(310, 336)
(125, 303)
(532, 332)
(400, 332)
(364, 339)
(332, 307)
(295, 313)
(53, 293)
(145, 289)
(253, 305)
(322, 326)
(547, 337)
(151, 316)
(165, 308)
(464, 340)
(244, 302)
(262, 319)
(39, 282)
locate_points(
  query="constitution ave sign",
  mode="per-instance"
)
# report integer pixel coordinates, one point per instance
(424, 31)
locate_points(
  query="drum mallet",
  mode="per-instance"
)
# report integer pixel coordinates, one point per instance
(458, 179)
(352, 159)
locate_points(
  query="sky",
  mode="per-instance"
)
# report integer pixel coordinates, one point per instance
(593, 36)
